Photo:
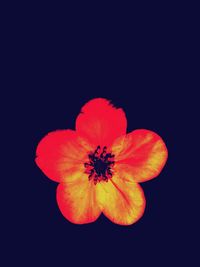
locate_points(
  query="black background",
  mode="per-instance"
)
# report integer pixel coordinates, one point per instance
(57, 63)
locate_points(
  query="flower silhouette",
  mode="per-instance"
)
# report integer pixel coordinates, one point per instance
(99, 166)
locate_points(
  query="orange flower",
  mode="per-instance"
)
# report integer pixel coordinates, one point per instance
(99, 166)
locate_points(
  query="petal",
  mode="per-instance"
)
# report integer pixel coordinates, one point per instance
(77, 200)
(101, 122)
(61, 153)
(140, 154)
(122, 201)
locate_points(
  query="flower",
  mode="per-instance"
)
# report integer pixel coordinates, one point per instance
(99, 166)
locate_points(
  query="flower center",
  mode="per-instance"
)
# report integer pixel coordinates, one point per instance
(99, 166)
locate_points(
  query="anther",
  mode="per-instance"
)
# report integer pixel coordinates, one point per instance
(99, 166)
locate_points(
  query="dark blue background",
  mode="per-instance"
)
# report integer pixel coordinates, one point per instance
(59, 63)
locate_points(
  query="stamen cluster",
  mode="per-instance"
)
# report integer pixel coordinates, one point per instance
(99, 166)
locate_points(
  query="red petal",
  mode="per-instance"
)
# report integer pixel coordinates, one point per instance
(101, 122)
(77, 200)
(61, 153)
(122, 201)
(140, 154)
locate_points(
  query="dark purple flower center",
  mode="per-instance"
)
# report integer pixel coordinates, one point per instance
(99, 166)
